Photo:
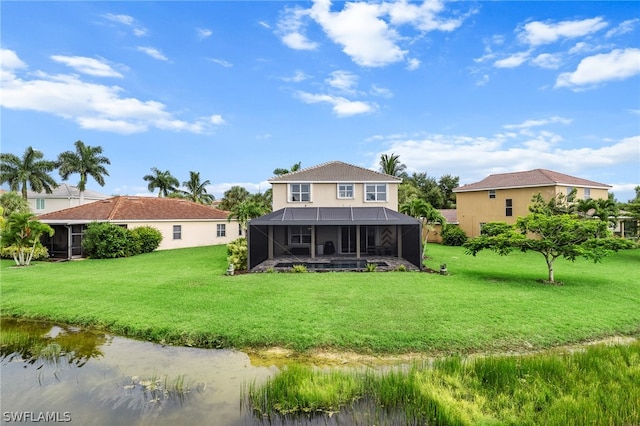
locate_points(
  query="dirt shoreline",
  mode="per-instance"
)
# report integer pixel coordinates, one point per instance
(325, 357)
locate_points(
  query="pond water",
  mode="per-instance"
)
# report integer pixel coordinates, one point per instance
(57, 374)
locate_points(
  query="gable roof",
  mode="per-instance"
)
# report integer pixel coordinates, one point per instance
(334, 216)
(531, 178)
(66, 191)
(335, 171)
(126, 208)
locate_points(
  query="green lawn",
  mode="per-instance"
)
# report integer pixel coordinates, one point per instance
(486, 303)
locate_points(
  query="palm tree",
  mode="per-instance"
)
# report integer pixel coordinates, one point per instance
(86, 161)
(246, 210)
(30, 171)
(234, 195)
(22, 232)
(164, 181)
(420, 209)
(390, 164)
(196, 190)
(294, 168)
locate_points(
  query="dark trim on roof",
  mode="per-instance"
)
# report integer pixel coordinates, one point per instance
(334, 216)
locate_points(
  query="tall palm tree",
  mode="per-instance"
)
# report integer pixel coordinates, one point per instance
(390, 164)
(86, 161)
(233, 196)
(420, 209)
(246, 210)
(30, 171)
(196, 190)
(164, 181)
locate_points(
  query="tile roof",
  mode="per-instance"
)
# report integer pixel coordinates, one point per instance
(450, 214)
(124, 208)
(531, 178)
(67, 191)
(335, 171)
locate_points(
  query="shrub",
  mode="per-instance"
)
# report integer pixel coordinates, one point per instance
(299, 268)
(106, 240)
(401, 268)
(371, 267)
(148, 237)
(237, 253)
(453, 235)
(39, 253)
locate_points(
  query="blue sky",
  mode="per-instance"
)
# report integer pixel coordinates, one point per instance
(234, 90)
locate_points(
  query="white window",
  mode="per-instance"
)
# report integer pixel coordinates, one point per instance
(39, 203)
(177, 232)
(221, 230)
(299, 192)
(492, 193)
(376, 192)
(587, 193)
(345, 190)
(299, 235)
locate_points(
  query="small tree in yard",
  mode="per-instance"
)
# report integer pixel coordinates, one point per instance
(552, 235)
(22, 232)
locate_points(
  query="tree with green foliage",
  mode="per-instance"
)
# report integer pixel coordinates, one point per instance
(12, 202)
(233, 196)
(294, 168)
(247, 210)
(553, 235)
(104, 240)
(446, 184)
(420, 209)
(30, 171)
(149, 238)
(197, 190)
(21, 232)
(390, 164)
(86, 161)
(164, 181)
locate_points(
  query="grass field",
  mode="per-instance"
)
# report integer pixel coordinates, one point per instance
(486, 303)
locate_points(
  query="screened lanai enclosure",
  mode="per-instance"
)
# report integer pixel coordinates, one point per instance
(334, 232)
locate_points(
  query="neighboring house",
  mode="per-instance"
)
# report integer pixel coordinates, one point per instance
(182, 223)
(62, 197)
(506, 196)
(434, 235)
(334, 209)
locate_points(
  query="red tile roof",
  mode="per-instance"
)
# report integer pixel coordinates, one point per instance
(125, 208)
(531, 178)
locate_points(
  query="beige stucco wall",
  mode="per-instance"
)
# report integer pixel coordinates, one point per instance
(195, 233)
(326, 195)
(56, 204)
(474, 208)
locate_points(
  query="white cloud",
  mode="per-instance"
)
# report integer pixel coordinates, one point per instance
(548, 60)
(623, 28)
(537, 33)
(10, 61)
(538, 123)
(381, 91)
(91, 106)
(88, 66)
(221, 62)
(264, 24)
(344, 81)
(291, 28)
(483, 80)
(413, 64)
(364, 37)
(478, 157)
(615, 65)
(342, 107)
(128, 21)
(367, 31)
(203, 33)
(153, 52)
(513, 61)
(297, 77)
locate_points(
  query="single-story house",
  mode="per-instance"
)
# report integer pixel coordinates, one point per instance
(182, 223)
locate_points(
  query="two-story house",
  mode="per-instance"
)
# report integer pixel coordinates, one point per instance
(504, 197)
(62, 197)
(334, 209)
